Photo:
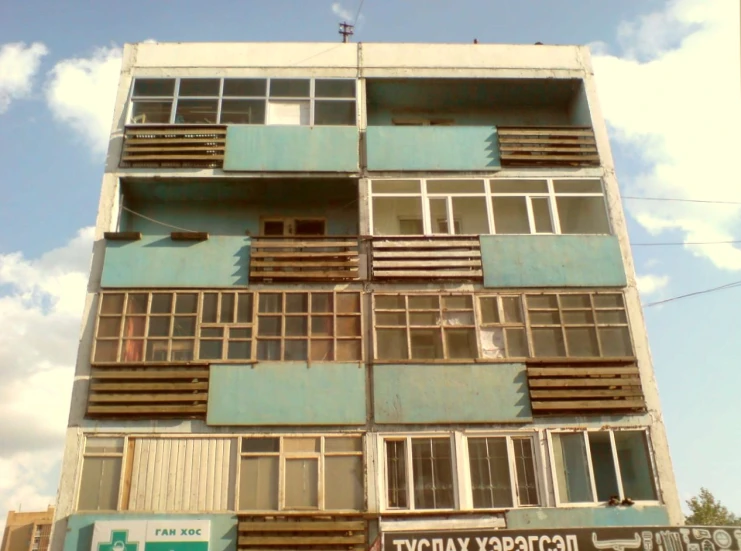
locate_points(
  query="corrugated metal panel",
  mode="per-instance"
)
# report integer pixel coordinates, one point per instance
(183, 474)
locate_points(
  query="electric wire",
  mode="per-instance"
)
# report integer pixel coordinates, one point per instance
(695, 293)
(140, 215)
(736, 241)
(718, 202)
(357, 15)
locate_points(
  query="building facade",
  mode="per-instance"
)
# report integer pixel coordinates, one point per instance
(342, 293)
(27, 531)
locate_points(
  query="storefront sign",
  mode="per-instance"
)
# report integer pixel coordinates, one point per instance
(151, 535)
(625, 538)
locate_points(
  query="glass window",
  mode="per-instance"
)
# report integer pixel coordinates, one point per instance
(572, 469)
(635, 465)
(334, 113)
(196, 111)
(242, 111)
(101, 474)
(154, 87)
(199, 87)
(432, 473)
(490, 473)
(289, 87)
(245, 87)
(334, 88)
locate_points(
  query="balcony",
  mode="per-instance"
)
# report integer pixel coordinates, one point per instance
(449, 257)
(333, 258)
(173, 146)
(531, 146)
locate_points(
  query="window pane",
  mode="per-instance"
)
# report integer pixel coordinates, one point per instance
(210, 350)
(243, 111)
(575, 301)
(461, 343)
(470, 214)
(239, 350)
(112, 303)
(184, 326)
(608, 301)
(544, 318)
(439, 216)
(321, 302)
(157, 351)
(426, 344)
(302, 480)
(268, 350)
(348, 326)
(154, 87)
(196, 111)
(603, 465)
(258, 483)
(455, 186)
(296, 326)
(244, 308)
(510, 215)
(519, 186)
(269, 326)
(199, 87)
(99, 484)
(489, 309)
(161, 303)
(578, 317)
(348, 303)
(452, 318)
(635, 465)
(296, 350)
(334, 88)
(582, 341)
(209, 308)
(106, 351)
(187, 303)
(390, 212)
(391, 344)
(582, 215)
(151, 112)
(334, 113)
(289, 113)
(577, 186)
(321, 326)
(137, 304)
(615, 341)
(244, 87)
(182, 351)
(396, 474)
(572, 470)
(548, 342)
(133, 351)
(419, 318)
(512, 309)
(432, 468)
(395, 186)
(462, 302)
(542, 215)
(96, 444)
(134, 325)
(271, 303)
(289, 88)
(542, 301)
(424, 302)
(109, 327)
(527, 488)
(343, 478)
(159, 326)
(343, 444)
(490, 476)
(611, 316)
(257, 445)
(516, 343)
(349, 350)
(390, 302)
(301, 444)
(492, 343)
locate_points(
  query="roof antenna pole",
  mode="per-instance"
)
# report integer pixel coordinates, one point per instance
(346, 30)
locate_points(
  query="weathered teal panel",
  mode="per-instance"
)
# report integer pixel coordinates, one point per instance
(481, 393)
(287, 394)
(291, 148)
(583, 517)
(432, 148)
(79, 534)
(158, 261)
(552, 261)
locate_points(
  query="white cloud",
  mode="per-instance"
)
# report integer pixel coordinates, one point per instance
(672, 98)
(41, 303)
(649, 284)
(342, 13)
(18, 65)
(82, 92)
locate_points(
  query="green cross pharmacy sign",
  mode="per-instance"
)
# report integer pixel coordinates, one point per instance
(151, 535)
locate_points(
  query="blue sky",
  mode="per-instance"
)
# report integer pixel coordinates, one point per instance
(668, 78)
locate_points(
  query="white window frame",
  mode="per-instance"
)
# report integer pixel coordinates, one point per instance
(123, 454)
(266, 98)
(461, 468)
(590, 468)
(488, 195)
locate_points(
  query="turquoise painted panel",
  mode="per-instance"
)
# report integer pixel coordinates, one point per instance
(432, 148)
(291, 148)
(552, 261)
(158, 261)
(583, 517)
(79, 534)
(287, 394)
(481, 393)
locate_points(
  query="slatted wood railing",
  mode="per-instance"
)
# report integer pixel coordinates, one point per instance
(302, 532)
(547, 146)
(558, 388)
(328, 258)
(173, 146)
(427, 257)
(148, 392)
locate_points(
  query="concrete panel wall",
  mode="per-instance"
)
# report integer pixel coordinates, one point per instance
(432, 148)
(287, 394)
(485, 393)
(158, 261)
(552, 261)
(580, 517)
(79, 533)
(291, 148)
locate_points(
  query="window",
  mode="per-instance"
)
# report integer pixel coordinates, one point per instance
(488, 207)
(282, 101)
(301, 473)
(317, 326)
(421, 472)
(294, 226)
(151, 327)
(597, 466)
(101, 474)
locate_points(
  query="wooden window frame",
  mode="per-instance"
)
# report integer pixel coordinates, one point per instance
(487, 192)
(266, 98)
(590, 467)
(125, 460)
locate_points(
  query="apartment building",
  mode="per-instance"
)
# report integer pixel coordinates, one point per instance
(27, 530)
(349, 296)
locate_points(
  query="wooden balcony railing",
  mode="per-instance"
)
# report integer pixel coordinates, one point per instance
(548, 146)
(302, 531)
(581, 388)
(173, 146)
(123, 391)
(427, 257)
(327, 258)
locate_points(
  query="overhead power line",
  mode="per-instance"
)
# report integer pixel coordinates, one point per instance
(735, 241)
(357, 15)
(681, 200)
(703, 292)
